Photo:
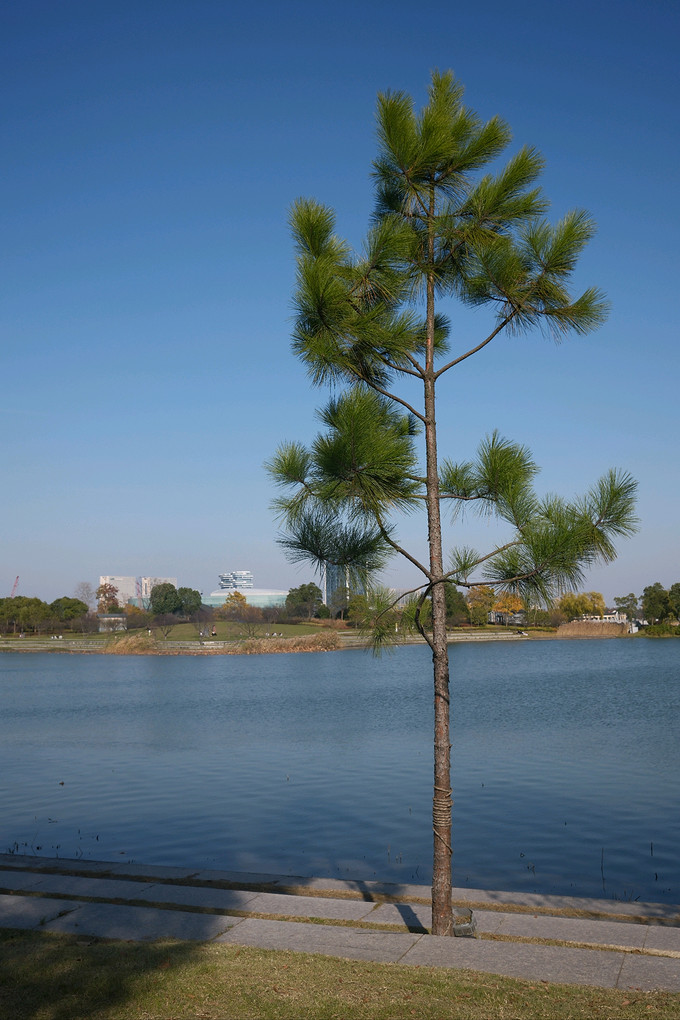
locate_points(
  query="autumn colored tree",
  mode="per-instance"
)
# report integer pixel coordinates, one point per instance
(585, 603)
(107, 598)
(480, 600)
(373, 326)
(233, 607)
(508, 604)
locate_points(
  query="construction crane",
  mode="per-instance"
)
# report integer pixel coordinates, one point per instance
(14, 587)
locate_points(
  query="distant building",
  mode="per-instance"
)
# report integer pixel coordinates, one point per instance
(242, 581)
(334, 579)
(127, 586)
(147, 583)
(236, 580)
(134, 589)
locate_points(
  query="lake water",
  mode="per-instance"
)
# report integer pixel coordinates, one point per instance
(566, 763)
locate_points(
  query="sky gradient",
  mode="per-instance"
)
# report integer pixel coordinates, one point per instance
(152, 152)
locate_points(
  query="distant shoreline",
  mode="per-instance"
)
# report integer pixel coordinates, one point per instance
(324, 641)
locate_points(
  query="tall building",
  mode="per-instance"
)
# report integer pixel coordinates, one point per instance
(333, 578)
(147, 583)
(126, 586)
(235, 580)
(134, 589)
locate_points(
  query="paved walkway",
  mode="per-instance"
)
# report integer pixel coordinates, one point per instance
(603, 942)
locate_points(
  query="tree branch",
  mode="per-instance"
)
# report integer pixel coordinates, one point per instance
(479, 347)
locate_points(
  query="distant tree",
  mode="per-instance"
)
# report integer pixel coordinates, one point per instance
(66, 609)
(508, 604)
(250, 622)
(480, 602)
(164, 622)
(190, 601)
(107, 598)
(457, 611)
(88, 623)
(304, 601)
(656, 604)
(586, 603)
(85, 592)
(200, 619)
(165, 599)
(271, 614)
(674, 599)
(358, 609)
(137, 618)
(378, 611)
(234, 606)
(339, 601)
(627, 604)
(29, 614)
(246, 620)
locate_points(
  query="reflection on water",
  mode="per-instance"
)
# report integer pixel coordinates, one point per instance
(565, 763)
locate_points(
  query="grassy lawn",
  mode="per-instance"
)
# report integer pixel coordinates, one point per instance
(60, 977)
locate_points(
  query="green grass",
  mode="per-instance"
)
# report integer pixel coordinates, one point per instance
(61, 977)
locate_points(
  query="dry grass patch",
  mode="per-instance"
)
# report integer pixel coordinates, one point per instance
(57, 977)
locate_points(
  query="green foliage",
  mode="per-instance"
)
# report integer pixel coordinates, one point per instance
(304, 601)
(480, 601)
(65, 608)
(457, 611)
(662, 630)
(587, 603)
(164, 599)
(376, 615)
(446, 228)
(656, 604)
(627, 604)
(674, 599)
(190, 601)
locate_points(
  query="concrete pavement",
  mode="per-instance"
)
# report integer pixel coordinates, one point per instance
(559, 939)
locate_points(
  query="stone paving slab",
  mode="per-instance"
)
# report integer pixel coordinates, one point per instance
(110, 921)
(311, 906)
(570, 929)
(19, 879)
(104, 888)
(663, 939)
(669, 911)
(350, 943)
(521, 960)
(159, 871)
(650, 973)
(199, 896)
(515, 959)
(30, 911)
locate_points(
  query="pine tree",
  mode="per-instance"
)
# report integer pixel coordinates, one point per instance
(370, 326)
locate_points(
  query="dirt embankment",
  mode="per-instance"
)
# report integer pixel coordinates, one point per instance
(591, 630)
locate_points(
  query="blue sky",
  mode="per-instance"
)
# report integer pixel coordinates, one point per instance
(152, 152)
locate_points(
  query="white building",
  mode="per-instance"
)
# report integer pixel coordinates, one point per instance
(134, 589)
(236, 580)
(242, 581)
(127, 586)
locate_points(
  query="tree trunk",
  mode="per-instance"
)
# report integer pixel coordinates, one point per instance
(442, 913)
